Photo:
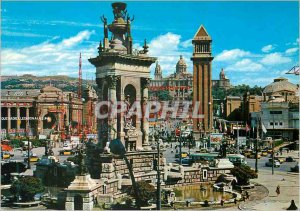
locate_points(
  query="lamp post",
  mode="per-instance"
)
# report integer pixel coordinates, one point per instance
(156, 137)
(273, 136)
(117, 148)
(28, 153)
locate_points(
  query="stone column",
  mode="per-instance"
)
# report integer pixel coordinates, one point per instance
(18, 118)
(112, 97)
(122, 122)
(8, 119)
(145, 84)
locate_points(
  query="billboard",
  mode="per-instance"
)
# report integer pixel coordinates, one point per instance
(216, 138)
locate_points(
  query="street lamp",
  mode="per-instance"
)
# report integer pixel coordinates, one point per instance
(158, 189)
(273, 135)
(117, 148)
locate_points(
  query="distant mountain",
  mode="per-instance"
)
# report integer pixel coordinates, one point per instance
(28, 81)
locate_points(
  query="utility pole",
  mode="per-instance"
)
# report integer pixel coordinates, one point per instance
(28, 153)
(273, 137)
(180, 159)
(158, 202)
(256, 146)
(237, 141)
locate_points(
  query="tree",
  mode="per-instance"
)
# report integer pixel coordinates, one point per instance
(243, 174)
(146, 192)
(27, 187)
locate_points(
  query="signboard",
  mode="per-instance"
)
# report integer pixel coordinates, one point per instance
(91, 136)
(242, 140)
(75, 139)
(216, 138)
(42, 136)
(3, 133)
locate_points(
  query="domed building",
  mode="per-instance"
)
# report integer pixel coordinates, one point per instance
(179, 84)
(223, 82)
(280, 109)
(281, 90)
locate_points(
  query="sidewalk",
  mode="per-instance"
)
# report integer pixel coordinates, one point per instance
(289, 189)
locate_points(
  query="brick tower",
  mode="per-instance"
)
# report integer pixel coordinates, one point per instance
(202, 83)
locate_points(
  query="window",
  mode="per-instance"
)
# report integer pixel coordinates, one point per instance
(275, 112)
(204, 174)
(276, 123)
(271, 123)
(280, 123)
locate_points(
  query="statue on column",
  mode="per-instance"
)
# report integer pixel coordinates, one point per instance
(104, 20)
(127, 117)
(82, 167)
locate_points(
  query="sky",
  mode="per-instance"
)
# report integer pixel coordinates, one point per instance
(254, 42)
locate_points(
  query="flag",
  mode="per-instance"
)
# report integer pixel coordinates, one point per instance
(247, 128)
(220, 126)
(263, 128)
(225, 127)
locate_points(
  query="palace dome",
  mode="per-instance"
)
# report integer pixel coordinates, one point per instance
(181, 61)
(279, 85)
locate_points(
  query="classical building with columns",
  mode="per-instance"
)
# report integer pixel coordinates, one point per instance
(179, 84)
(33, 111)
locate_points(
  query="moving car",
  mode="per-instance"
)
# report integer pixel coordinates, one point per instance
(289, 159)
(32, 158)
(295, 168)
(66, 152)
(5, 155)
(247, 152)
(185, 161)
(183, 155)
(253, 155)
(276, 163)
(281, 160)
(264, 153)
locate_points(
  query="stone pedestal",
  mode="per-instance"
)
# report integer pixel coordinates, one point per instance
(80, 193)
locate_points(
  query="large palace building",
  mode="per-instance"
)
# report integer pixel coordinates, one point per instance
(180, 84)
(34, 112)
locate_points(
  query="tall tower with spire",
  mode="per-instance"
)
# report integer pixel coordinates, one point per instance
(157, 72)
(202, 81)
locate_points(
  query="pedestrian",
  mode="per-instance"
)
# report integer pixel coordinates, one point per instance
(278, 190)
(247, 195)
(222, 202)
(235, 200)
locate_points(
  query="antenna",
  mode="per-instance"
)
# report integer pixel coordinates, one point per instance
(79, 91)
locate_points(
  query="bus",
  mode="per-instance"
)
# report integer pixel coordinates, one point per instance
(203, 157)
(236, 159)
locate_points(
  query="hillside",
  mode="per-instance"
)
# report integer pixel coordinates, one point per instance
(63, 82)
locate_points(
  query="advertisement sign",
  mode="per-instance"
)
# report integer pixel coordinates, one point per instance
(242, 140)
(91, 136)
(216, 138)
(42, 137)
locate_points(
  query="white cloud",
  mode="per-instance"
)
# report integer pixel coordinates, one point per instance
(167, 49)
(229, 55)
(291, 50)
(50, 58)
(84, 35)
(267, 48)
(245, 65)
(275, 59)
(187, 43)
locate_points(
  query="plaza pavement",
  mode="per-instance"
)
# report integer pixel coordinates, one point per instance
(289, 189)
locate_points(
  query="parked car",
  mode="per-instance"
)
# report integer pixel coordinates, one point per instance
(247, 152)
(66, 152)
(289, 159)
(276, 163)
(5, 155)
(295, 168)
